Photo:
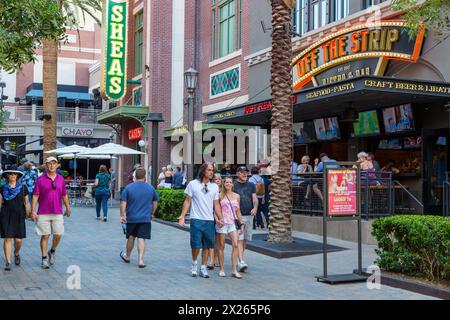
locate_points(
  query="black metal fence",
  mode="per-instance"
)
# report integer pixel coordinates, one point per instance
(446, 196)
(377, 194)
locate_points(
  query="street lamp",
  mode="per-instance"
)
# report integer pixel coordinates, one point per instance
(2, 97)
(111, 136)
(155, 119)
(7, 145)
(190, 82)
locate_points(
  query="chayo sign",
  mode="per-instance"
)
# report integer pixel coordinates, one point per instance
(115, 47)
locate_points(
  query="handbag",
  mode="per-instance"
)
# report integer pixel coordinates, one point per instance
(236, 221)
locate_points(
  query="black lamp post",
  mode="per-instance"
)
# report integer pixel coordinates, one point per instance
(155, 119)
(190, 82)
(7, 145)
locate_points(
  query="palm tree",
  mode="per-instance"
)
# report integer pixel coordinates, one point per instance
(280, 230)
(71, 9)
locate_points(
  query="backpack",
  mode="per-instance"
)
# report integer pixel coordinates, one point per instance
(260, 189)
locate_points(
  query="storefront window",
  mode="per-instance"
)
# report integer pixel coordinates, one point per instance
(138, 44)
(319, 10)
(340, 9)
(227, 28)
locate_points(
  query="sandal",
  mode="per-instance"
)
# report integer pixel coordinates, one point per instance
(17, 260)
(122, 255)
(236, 275)
(142, 266)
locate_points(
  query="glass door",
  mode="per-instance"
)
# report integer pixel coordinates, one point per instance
(435, 165)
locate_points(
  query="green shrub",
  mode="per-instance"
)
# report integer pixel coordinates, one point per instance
(414, 245)
(170, 204)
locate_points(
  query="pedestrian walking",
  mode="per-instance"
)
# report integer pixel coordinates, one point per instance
(112, 184)
(258, 181)
(202, 197)
(138, 205)
(213, 256)
(15, 207)
(50, 191)
(249, 206)
(29, 179)
(102, 192)
(229, 203)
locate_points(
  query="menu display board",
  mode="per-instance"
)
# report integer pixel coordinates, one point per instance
(342, 192)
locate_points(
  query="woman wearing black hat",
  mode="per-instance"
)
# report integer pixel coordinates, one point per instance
(14, 207)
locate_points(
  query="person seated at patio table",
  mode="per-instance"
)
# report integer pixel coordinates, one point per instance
(390, 167)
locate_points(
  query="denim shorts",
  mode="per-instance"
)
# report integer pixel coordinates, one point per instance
(203, 234)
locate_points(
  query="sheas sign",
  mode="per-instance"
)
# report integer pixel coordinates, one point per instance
(381, 40)
(115, 47)
(77, 132)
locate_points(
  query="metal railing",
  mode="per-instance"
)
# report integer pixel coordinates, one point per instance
(80, 192)
(398, 208)
(64, 115)
(377, 194)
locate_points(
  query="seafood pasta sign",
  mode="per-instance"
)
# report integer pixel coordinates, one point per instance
(342, 194)
(114, 65)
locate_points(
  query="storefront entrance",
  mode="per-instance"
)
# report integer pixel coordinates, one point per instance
(435, 165)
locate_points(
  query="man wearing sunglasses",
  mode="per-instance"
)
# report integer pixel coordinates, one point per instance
(50, 191)
(202, 200)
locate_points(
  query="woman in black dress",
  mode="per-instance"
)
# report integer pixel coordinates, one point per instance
(14, 208)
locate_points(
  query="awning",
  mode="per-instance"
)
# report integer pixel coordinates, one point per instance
(362, 93)
(62, 94)
(121, 114)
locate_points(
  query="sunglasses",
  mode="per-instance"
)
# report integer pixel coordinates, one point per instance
(205, 188)
(53, 184)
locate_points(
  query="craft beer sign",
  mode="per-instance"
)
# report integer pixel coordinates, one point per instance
(114, 63)
(379, 42)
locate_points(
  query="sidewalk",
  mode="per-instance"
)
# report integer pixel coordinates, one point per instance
(94, 246)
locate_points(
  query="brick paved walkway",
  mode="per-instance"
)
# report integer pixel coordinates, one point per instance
(94, 246)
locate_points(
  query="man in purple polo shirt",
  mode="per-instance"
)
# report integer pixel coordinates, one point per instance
(50, 191)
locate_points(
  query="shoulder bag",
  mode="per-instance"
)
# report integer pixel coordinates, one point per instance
(236, 220)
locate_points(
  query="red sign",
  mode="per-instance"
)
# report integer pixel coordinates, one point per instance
(262, 106)
(342, 192)
(135, 134)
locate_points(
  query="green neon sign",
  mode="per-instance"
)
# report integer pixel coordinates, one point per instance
(114, 64)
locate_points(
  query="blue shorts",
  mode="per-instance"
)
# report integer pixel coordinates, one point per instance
(203, 234)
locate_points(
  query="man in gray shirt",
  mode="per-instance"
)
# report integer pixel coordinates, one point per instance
(249, 206)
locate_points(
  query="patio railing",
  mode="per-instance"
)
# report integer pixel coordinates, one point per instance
(74, 115)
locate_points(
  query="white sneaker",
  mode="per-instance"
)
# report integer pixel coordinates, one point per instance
(44, 264)
(51, 257)
(204, 272)
(194, 269)
(242, 266)
(222, 274)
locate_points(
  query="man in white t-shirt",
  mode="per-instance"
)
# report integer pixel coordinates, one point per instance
(202, 197)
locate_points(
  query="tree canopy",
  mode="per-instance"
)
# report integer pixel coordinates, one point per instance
(24, 24)
(434, 13)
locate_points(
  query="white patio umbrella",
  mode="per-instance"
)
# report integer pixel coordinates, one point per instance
(111, 149)
(74, 149)
(87, 157)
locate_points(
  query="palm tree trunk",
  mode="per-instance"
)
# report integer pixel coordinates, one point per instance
(280, 230)
(50, 94)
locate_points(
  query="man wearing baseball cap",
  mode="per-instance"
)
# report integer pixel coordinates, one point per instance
(50, 191)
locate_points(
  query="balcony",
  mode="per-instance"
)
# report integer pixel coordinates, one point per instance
(74, 115)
